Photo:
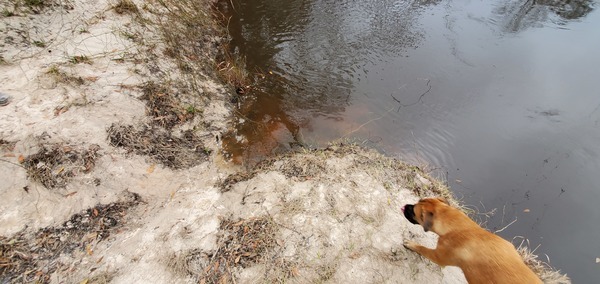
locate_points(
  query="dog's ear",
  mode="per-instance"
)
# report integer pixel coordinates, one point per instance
(443, 200)
(427, 221)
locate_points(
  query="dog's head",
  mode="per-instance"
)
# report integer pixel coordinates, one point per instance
(423, 213)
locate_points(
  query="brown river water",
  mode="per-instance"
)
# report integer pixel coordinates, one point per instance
(500, 98)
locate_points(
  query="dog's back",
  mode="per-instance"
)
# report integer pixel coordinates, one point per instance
(487, 258)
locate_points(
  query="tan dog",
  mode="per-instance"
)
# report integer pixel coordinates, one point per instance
(483, 257)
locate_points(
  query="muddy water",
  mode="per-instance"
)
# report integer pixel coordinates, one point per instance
(499, 97)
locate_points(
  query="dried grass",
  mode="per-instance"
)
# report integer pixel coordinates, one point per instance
(7, 145)
(36, 6)
(547, 273)
(125, 7)
(164, 107)
(232, 70)
(33, 257)
(61, 76)
(101, 278)
(231, 180)
(55, 165)
(160, 145)
(242, 243)
(191, 35)
(192, 31)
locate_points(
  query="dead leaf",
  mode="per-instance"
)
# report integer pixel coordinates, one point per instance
(90, 236)
(70, 194)
(95, 212)
(21, 159)
(151, 168)
(237, 259)
(91, 78)
(84, 281)
(88, 167)
(89, 250)
(526, 210)
(100, 259)
(60, 109)
(295, 272)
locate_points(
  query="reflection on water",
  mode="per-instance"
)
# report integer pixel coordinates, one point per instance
(500, 96)
(534, 13)
(308, 55)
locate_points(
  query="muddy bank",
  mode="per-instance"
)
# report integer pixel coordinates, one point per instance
(113, 172)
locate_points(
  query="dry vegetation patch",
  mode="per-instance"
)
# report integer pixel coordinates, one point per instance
(53, 166)
(242, 243)
(193, 36)
(164, 107)
(190, 35)
(310, 163)
(125, 7)
(33, 257)
(7, 145)
(160, 145)
(547, 273)
(61, 76)
(233, 179)
(13, 8)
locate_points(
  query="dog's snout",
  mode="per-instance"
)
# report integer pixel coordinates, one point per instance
(409, 213)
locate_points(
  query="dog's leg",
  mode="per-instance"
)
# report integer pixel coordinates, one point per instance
(434, 255)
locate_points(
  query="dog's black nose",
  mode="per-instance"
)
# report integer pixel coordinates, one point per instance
(409, 213)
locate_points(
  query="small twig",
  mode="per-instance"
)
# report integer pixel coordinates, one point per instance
(498, 231)
(398, 101)
(9, 162)
(419, 100)
(215, 254)
(284, 226)
(232, 6)
(362, 125)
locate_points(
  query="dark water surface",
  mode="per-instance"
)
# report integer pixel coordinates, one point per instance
(501, 97)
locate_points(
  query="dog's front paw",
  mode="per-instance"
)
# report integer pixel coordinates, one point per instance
(410, 245)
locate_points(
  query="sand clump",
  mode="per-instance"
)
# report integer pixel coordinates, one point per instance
(112, 170)
(338, 218)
